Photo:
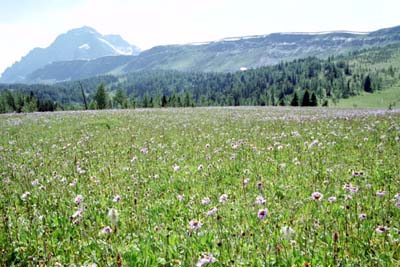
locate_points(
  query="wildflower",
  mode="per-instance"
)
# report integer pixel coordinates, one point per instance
(194, 224)
(381, 229)
(397, 204)
(80, 170)
(260, 200)
(212, 211)
(357, 173)
(176, 168)
(106, 230)
(77, 213)
(331, 199)
(287, 232)
(35, 182)
(207, 145)
(181, 197)
(362, 216)
(209, 258)
(78, 199)
(113, 216)
(176, 262)
(134, 158)
(95, 180)
(381, 193)
(317, 196)
(397, 196)
(245, 181)
(223, 198)
(200, 167)
(117, 198)
(25, 195)
(206, 201)
(259, 184)
(144, 150)
(262, 214)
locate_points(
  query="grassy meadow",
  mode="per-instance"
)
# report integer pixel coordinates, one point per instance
(381, 99)
(201, 187)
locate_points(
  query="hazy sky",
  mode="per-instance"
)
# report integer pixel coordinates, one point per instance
(25, 24)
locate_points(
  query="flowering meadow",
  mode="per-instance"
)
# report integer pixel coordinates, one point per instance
(201, 187)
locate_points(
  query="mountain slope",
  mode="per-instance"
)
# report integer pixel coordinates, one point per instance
(78, 44)
(230, 54)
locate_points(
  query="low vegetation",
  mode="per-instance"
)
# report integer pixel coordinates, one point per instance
(242, 186)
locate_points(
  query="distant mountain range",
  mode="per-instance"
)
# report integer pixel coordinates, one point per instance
(83, 53)
(82, 44)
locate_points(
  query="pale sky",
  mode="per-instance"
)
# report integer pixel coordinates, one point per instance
(25, 24)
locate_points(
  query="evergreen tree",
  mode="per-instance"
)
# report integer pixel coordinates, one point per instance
(367, 84)
(164, 101)
(295, 100)
(120, 99)
(306, 99)
(101, 97)
(145, 102)
(314, 100)
(187, 100)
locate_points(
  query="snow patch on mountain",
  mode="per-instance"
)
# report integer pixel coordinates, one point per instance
(84, 46)
(118, 50)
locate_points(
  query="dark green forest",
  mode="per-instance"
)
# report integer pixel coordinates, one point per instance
(304, 82)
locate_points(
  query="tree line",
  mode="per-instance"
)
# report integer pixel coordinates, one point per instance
(303, 82)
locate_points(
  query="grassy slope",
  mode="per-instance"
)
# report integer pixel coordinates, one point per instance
(380, 99)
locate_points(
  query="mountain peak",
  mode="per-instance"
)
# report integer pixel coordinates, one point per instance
(83, 43)
(83, 30)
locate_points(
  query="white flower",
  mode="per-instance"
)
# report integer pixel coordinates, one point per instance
(25, 195)
(206, 201)
(176, 168)
(117, 198)
(78, 199)
(287, 232)
(113, 216)
(223, 198)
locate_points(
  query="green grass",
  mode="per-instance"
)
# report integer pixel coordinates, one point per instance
(380, 99)
(162, 163)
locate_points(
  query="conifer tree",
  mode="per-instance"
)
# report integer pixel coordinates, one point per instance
(306, 99)
(295, 100)
(101, 97)
(314, 100)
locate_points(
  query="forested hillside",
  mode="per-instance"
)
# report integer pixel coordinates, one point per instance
(324, 80)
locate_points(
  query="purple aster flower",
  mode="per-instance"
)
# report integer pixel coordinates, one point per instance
(260, 200)
(331, 199)
(362, 216)
(209, 258)
(262, 214)
(317, 196)
(194, 224)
